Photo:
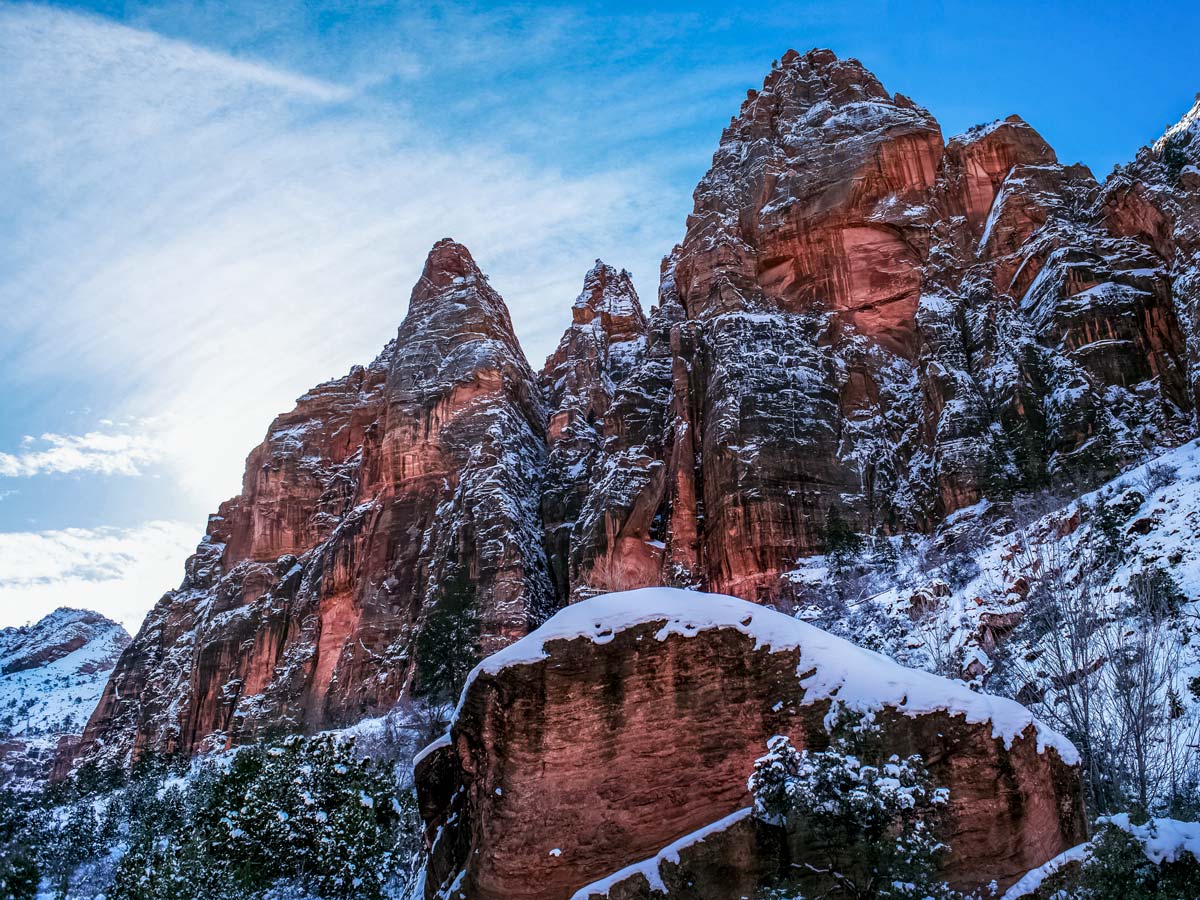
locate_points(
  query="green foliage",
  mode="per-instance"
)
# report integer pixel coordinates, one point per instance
(1118, 869)
(865, 825)
(1174, 154)
(67, 842)
(842, 543)
(1014, 460)
(1108, 516)
(1155, 593)
(309, 812)
(19, 874)
(448, 646)
(884, 557)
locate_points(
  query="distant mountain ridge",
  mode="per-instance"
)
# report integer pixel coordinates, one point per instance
(52, 673)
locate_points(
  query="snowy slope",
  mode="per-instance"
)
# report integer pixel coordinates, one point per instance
(51, 677)
(959, 602)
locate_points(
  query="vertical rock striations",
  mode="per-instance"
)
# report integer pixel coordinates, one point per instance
(603, 345)
(865, 321)
(406, 490)
(864, 326)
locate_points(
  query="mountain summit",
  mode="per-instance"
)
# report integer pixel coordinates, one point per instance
(865, 328)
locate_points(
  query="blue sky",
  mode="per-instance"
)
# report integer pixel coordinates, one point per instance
(209, 207)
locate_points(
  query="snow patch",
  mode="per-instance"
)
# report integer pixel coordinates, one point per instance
(650, 868)
(829, 667)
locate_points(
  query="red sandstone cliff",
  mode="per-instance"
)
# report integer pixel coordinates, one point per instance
(380, 492)
(864, 316)
(861, 315)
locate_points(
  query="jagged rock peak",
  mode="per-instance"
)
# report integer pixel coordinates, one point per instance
(1011, 129)
(820, 82)
(1184, 132)
(453, 285)
(449, 262)
(54, 636)
(608, 328)
(607, 291)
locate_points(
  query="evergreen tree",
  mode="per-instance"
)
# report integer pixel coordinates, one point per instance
(1174, 154)
(19, 874)
(448, 645)
(866, 825)
(1117, 868)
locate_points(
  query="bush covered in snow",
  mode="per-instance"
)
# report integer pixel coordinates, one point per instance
(307, 817)
(866, 824)
(1154, 860)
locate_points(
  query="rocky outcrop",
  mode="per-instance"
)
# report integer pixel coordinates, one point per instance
(865, 327)
(51, 674)
(602, 346)
(732, 857)
(405, 491)
(631, 721)
(865, 321)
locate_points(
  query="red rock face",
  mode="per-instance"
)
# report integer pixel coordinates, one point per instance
(380, 490)
(608, 750)
(860, 317)
(604, 342)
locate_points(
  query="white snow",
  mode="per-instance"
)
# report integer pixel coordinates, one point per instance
(1033, 879)
(48, 689)
(1164, 840)
(437, 743)
(650, 868)
(829, 667)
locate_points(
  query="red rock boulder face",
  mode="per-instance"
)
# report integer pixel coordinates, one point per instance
(382, 492)
(630, 722)
(862, 318)
(1156, 200)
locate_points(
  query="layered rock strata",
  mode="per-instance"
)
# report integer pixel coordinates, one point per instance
(629, 721)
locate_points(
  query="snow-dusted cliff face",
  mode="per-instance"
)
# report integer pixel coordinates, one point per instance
(51, 675)
(866, 327)
(402, 494)
(864, 317)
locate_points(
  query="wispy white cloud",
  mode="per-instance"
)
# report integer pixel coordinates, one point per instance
(196, 240)
(119, 571)
(206, 238)
(97, 452)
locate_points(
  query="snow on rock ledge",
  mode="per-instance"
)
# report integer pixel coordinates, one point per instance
(830, 667)
(631, 720)
(1164, 841)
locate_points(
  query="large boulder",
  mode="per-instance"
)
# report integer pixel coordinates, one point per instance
(632, 720)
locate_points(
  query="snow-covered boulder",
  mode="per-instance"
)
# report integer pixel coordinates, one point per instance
(631, 720)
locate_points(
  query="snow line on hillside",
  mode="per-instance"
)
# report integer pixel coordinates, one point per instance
(829, 668)
(651, 868)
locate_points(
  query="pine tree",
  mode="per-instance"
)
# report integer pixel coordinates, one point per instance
(448, 645)
(867, 825)
(19, 874)
(1117, 868)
